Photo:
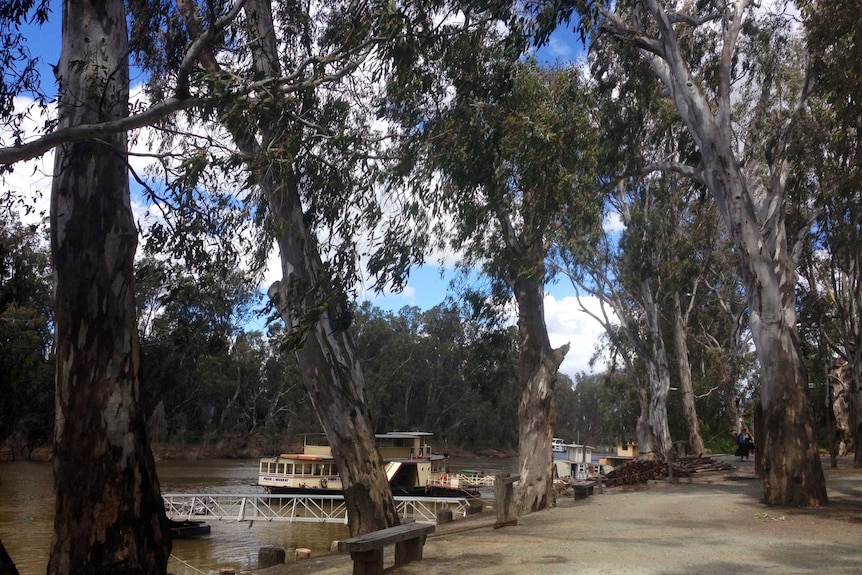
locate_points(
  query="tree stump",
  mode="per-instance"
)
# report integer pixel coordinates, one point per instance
(302, 553)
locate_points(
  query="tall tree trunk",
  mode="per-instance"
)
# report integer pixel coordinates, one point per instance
(109, 515)
(312, 310)
(659, 379)
(538, 366)
(793, 473)
(689, 410)
(751, 201)
(643, 430)
(329, 364)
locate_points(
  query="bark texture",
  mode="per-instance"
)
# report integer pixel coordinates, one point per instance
(330, 369)
(750, 198)
(313, 311)
(659, 380)
(538, 366)
(109, 514)
(689, 409)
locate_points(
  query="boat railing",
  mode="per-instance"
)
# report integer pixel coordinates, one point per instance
(462, 480)
(298, 508)
(476, 480)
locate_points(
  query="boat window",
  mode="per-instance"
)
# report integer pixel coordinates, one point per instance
(280, 468)
(318, 469)
(318, 440)
(306, 468)
(263, 466)
(288, 468)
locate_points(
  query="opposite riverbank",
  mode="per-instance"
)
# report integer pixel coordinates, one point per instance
(713, 526)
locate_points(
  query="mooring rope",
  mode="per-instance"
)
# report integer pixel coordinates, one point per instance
(187, 564)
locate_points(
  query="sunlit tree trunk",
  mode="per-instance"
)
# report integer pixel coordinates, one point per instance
(750, 198)
(109, 515)
(313, 311)
(538, 366)
(330, 368)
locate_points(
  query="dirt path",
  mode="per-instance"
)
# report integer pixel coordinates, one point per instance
(705, 529)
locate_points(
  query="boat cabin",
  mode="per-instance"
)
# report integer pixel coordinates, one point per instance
(313, 469)
(411, 466)
(577, 453)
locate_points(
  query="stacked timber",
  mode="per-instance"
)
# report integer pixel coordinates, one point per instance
(699, 464)
(638, 471)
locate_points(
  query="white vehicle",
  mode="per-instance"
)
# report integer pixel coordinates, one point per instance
(557, 445)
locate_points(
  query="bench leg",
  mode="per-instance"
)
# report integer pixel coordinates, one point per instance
(409, 550)
(367, 562)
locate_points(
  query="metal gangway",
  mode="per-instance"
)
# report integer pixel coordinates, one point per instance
(296, 508)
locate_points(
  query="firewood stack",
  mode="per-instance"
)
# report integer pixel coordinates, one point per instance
(637, 471)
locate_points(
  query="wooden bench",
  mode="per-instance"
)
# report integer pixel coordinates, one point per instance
(367, 550)
(583, 489)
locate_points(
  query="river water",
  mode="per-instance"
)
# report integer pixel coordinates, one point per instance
(27, 510)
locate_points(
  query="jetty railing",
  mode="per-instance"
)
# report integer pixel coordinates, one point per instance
(296, 508)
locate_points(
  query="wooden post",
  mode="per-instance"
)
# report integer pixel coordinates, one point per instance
(504, 490)
(409, 550)
(269, 556)
(444, 516)
(367, 562)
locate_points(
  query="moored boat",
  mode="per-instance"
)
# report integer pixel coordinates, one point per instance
(412, 468)
(558, 445)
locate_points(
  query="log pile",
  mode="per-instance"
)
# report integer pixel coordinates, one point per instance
(637, 471)
(699, 464)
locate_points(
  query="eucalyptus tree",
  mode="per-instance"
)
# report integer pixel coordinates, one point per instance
(109, 515)
(734, 73)
(512, 162)
(294, 141)
(832, 154)
(649, 272)
(440, 370)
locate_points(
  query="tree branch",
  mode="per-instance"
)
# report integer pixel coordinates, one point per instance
(39, 146)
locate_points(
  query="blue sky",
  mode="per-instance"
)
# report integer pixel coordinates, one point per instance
(425, 288)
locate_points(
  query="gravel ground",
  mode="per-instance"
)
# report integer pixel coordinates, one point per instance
(710, 527)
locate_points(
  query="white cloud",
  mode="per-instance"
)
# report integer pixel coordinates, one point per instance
(568, 323)
(31, 180)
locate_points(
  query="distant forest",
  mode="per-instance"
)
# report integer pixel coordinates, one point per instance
(210, 382)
